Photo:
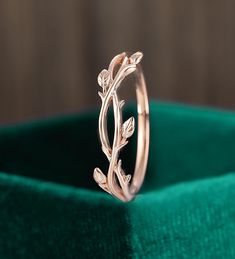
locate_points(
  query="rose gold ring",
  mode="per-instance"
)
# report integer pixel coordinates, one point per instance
(116, 181)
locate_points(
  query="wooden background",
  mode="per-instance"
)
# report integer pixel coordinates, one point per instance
(51, 52)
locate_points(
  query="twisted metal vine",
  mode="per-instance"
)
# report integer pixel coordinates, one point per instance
(115, 182)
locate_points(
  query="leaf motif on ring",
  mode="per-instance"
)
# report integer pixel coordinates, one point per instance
(128, 127)
(127, 178)
(104, 78)
(99, 177)
(136, 58)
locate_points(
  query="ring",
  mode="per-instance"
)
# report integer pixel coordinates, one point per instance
(116, 182)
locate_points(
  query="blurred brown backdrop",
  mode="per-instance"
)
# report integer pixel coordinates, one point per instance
(51, 51)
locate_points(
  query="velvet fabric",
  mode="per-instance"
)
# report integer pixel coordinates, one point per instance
(50, 207)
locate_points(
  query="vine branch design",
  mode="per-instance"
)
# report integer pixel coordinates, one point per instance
(115, 182)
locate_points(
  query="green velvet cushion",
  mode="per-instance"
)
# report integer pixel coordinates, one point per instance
(50, 207)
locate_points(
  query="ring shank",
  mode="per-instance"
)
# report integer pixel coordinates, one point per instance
(143, 131)
(116, 182)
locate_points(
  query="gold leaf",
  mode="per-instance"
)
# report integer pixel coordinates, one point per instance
(99, 177)
(104, 78)
(127, 178)
(128, 128)
(136, 57)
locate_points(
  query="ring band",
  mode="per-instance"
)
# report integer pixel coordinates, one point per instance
(116, 181)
